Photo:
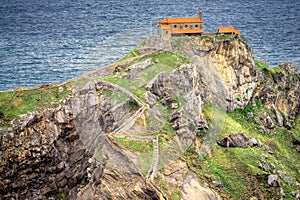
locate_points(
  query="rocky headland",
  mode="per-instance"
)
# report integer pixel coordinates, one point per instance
(189, 118)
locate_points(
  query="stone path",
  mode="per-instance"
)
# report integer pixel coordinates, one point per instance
(130, 122)
(153, 169)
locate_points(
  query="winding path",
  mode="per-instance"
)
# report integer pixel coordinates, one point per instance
(153, 169)
(130, 122)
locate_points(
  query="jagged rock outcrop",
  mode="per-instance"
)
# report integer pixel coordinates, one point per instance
(280, 92)
(227, 68)
(48, 153)
(168, 88)
(42, 155)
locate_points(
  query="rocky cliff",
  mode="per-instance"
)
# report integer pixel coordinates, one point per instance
(149, 125)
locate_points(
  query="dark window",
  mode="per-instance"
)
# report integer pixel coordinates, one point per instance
(196, 25)
(166, 32)
(186, 26)
(175, 26)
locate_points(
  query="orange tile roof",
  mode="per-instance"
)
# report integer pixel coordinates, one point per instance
(165, 26)
(181, 20)
(228, 30)
(187, 31)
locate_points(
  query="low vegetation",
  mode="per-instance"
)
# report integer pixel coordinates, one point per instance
(263, 66)
(237, 168)
(135, 145)
(163, 62)
(21, 101)
(133, 53)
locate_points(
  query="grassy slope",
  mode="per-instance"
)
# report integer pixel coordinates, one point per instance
(166, 61)
(16, 102)
(236, 168)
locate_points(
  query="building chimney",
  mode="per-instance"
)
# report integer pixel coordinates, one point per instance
(200, 13)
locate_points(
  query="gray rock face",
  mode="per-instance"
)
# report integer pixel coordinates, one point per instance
(49, 151)
(267, 121)
(289, 67)
(193, 189)
(281, 92)
(181, 83)
(234, 140)
(45, 154)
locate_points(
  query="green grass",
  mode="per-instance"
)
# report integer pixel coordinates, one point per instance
(167, 61)
(135, 145)
(16, 102)
(236, 168)
(296, 130)
(133, 53)
(224, 37)
(115, 95)
(274, 70)
(260, 64)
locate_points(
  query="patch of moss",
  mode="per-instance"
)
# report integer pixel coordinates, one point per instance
(225, 37)
(135, 145)
(274, 70)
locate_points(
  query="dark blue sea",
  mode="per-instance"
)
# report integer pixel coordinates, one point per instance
(51, 41)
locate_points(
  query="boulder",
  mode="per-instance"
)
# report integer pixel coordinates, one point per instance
(250, 115)
(269, 123)
(234, 140)
(279, 118)
(217, 184)
(273, 181)
(133, 72)
(151, 98)
(253, 142)
(174, 116)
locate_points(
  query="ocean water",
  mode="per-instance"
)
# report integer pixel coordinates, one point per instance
(51, 41)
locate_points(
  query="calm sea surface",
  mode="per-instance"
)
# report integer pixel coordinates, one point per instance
(51, 41)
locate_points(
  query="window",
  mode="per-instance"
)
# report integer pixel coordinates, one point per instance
(166, 32)
(175, 26)
(186, 26)
(196, 25)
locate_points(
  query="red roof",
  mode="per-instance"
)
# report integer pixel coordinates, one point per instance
(165, 26)
(181, 20)
(228, 30)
